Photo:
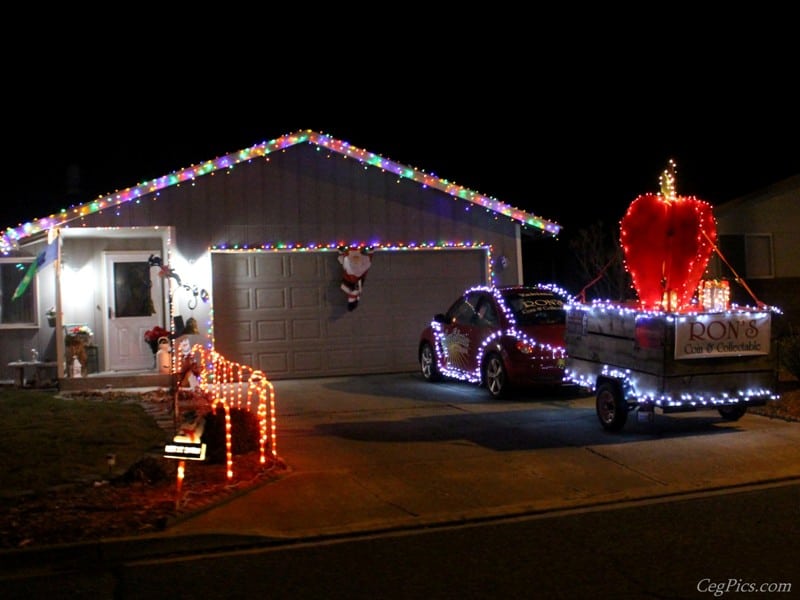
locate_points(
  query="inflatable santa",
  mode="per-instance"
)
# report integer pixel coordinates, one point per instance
(355, 263)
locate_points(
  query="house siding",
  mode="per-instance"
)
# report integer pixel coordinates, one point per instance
(301, 196)
(306, 197)
(775, 211)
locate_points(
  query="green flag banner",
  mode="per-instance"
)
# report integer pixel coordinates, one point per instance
(45, 257)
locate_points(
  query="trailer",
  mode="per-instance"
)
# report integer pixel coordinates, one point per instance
(637, 361)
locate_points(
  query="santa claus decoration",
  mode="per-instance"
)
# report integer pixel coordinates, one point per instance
(355, 264)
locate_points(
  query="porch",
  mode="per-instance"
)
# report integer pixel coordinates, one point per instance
(116, 380)
(30, 375)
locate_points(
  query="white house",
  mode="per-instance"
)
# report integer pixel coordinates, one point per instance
(252, 246)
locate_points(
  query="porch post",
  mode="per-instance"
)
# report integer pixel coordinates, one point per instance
(60, 352)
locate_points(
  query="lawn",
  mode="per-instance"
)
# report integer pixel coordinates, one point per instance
(48, 441)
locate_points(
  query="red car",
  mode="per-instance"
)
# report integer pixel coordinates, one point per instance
(499, 337)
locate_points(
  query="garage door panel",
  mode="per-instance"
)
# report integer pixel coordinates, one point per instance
(435, 261)
(426, 295)
(363, 359)
(264, 266)
(240, 268)
(374, 295)
(241, 298)
(374, 357)
(405, 355)
(305, 267)
(400, 326)
(310, 361)
(273, 364)
(342, 359)
(439, 298)
(299, 325)
(349, 326)
(339, 328)
(243, 331)
(271, 331)
(305, 297)
(268, 267)
(270, 299)
(306, 329)
(408, 294)
(372, 328)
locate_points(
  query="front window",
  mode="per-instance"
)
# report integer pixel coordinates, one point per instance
(749, 255)
(21, 310)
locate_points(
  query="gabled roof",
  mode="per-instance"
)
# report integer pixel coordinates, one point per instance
(790, 184)
(12, 236)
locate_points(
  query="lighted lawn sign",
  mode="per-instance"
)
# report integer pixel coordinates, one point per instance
(667, 241)
(230, 385)
(184, 450)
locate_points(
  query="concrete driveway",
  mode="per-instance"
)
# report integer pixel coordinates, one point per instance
(376, 453)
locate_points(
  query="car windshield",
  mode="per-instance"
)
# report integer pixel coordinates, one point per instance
(536, 307)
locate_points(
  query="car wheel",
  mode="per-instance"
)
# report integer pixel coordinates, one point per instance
(495, 377)
(612, 409)
(427, 363)
(732, 413)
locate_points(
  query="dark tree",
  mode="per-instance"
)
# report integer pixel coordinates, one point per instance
(600, 261)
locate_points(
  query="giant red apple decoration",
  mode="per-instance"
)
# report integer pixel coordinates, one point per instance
(667, 241)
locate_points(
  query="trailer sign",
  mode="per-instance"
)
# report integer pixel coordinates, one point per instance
(722, 334)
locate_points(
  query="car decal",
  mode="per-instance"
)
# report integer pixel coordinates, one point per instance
(456, 349)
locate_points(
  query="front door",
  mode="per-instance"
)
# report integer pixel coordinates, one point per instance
(134, 304)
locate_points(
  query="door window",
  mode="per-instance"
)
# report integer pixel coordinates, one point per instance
(132, 297)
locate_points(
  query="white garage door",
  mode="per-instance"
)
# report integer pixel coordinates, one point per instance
(284, 312)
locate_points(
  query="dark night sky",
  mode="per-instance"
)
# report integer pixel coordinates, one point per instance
(569, 115)
(570, 149)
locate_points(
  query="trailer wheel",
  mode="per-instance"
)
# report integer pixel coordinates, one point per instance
(612, 409)
(732, 413)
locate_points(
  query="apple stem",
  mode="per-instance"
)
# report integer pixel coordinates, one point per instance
(667, 181)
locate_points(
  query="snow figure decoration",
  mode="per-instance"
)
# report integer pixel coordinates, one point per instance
(667, 241)
(163, 356)
(355, 262)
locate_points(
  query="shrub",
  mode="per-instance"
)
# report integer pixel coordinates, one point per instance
(244, 433)
(789, 352)
(146, 470)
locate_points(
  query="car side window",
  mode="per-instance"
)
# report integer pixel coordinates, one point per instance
(462, 312)
(486, 313)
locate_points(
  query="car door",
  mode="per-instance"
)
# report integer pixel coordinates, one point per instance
(462, 336)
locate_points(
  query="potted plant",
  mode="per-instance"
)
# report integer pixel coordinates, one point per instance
(79, 333)
(51, 316)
